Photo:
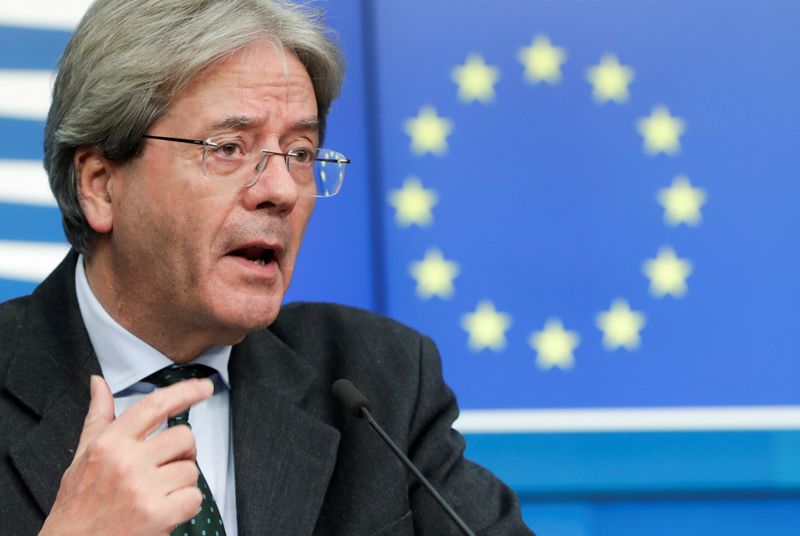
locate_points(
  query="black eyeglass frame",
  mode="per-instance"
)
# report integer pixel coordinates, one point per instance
(209, 143)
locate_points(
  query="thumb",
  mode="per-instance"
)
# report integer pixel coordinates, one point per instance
(100, 414)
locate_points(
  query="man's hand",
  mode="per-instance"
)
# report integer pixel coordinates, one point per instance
(119, 482)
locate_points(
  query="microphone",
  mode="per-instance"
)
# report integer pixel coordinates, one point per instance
(357, 403)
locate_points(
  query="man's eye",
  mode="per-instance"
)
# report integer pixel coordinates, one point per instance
(229, 150)
(302, 156)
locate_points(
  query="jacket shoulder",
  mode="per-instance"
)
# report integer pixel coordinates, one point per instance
(12, 310)
(12, 318)
(347, 342)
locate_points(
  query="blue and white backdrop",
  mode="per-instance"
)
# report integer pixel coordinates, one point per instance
(590, 206)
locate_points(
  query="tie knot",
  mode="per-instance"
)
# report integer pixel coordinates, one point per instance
(174, 374)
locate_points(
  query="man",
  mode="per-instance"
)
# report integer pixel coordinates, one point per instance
(182, 147)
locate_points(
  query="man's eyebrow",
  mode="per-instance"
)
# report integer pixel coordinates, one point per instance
(236, 122)
(307, 124)
(240, 122)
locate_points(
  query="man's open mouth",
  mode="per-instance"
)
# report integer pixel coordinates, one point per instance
(255, 254)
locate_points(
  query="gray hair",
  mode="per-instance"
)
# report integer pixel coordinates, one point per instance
(128, 59)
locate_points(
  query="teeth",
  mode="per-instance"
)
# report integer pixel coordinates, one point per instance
(260, 262)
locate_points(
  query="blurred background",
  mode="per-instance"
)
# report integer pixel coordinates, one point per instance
(591, 206)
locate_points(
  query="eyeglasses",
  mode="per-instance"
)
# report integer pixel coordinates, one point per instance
(318, 172)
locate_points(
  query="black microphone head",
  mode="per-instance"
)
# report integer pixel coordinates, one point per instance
(350, 396)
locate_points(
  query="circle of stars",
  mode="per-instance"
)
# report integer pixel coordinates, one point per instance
(661, 133)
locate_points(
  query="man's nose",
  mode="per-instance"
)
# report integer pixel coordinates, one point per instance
(274, 187)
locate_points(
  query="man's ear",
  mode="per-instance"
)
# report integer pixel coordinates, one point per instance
(94, 177)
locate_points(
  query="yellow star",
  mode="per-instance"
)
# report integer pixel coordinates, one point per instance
(610, 80)
(428, 132)
(434, 275)
(554, 345)
(542, 60)
(413, 204)
(661, 131)
(475, 79)
(620, 326)
(682, 202)
(486, 327)
(667, 273)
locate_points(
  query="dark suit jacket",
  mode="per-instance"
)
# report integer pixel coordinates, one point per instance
(304, 465)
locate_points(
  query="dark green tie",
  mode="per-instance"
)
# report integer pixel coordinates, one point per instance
(207, 522)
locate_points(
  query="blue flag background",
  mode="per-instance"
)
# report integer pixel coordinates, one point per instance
(590, 206)
(548, 199)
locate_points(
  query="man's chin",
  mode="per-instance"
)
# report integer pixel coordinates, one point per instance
(234, 321)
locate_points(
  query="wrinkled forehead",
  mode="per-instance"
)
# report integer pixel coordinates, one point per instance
(260, 84)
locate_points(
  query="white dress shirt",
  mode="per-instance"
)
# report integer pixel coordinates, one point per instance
(125, 360)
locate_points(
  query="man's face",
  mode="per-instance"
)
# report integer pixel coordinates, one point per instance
(183, 244)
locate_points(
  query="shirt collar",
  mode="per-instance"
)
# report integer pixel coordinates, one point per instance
(124, 358)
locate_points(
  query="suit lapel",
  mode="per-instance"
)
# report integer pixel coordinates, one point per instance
(49, 374)
(284, 454)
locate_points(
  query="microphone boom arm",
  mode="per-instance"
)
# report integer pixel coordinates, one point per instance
(453, 515)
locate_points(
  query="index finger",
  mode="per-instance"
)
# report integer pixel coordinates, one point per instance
(144, 417)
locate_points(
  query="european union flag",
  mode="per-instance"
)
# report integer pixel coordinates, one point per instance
(593, 204)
